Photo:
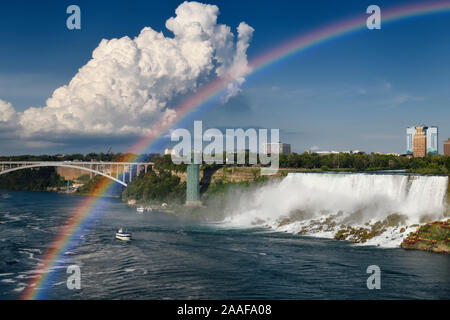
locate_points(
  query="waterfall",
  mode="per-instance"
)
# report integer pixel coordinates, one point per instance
(362, 198)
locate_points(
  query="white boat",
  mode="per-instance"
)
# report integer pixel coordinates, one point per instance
(140, 209)
(121, 235)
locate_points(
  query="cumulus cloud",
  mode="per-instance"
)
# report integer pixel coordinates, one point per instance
(239, 67)
(131, 83)
(7, 111)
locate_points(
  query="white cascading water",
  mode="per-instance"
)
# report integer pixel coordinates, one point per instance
(373, 196)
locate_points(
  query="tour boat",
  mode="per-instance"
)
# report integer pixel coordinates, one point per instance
(140, 209)
(121, 235)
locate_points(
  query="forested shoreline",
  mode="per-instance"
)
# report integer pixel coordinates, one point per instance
(36, 179)
(163, 183)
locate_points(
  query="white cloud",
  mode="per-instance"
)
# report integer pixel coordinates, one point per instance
(239, 67)
(131, 83)
(7, 111)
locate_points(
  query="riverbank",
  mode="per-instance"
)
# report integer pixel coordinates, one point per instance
(433, 236)
(38, 179)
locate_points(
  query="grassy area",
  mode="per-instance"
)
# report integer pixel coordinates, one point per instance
(434, 236)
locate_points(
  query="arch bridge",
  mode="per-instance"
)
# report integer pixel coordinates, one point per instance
(120, 172)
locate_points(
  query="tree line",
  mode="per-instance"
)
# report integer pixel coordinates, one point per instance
(159, 185)
(366, 162)
(37, 179)
(339, 161)
(81, 157)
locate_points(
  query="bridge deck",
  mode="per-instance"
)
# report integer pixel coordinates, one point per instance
(103, 168)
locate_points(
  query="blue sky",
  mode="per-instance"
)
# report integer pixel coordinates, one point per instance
(356, 92)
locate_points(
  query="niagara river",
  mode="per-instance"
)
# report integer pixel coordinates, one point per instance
(251, 254)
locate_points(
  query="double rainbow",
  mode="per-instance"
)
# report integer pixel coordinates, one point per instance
(207, 94)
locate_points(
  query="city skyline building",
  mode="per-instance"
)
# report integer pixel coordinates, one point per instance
(447, 147)
(432, 140)
(279, 148)
(422, 141)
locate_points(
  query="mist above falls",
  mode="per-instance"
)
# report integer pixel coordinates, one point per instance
(360, 197)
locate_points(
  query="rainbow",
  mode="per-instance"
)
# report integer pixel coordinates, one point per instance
(203, 97)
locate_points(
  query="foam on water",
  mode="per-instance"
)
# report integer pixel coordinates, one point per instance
(357, 199)
(6, 274)
(8, 280)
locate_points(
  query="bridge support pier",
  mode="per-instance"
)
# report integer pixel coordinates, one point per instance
(193, 183)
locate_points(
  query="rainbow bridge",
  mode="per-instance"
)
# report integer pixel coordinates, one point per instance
(110, 170)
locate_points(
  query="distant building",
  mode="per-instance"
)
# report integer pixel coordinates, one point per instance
(388, 153)
(280, 148)
(432, 140)
(170, 152)
(409, 139)
(422, 140)
(447, 147)
(324, 153)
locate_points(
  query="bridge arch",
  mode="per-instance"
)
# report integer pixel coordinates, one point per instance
(49, 164)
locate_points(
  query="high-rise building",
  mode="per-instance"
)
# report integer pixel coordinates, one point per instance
(409, 139)
(422, 140)
(432, 140)
(279, 148)
(447, 147)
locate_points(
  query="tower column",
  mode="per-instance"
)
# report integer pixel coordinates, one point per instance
(193, 181)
